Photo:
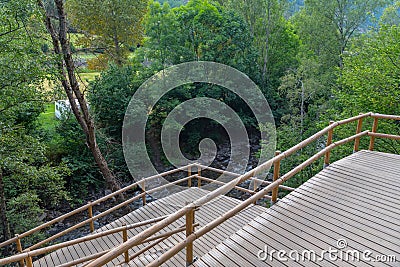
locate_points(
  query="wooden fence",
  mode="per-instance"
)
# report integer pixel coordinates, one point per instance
(100, 259)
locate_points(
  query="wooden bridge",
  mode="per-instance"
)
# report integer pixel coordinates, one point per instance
(346, 215)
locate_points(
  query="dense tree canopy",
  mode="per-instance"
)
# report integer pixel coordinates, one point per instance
(29, 182)
(23, 67)
(371, 74)
(113, 25)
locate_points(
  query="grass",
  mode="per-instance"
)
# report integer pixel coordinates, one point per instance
(47, 119)
(89, 76)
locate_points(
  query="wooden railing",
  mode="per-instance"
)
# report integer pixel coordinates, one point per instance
(105, 257)
(25, 255)
(278, 180)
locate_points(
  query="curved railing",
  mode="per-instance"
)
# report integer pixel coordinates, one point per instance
(271, 187)
(25, 254)
(188, 210)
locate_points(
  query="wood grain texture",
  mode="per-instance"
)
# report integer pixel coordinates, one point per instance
(356, 199)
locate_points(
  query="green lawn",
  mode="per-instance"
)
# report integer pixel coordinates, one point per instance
(47, 119)
(89, 76)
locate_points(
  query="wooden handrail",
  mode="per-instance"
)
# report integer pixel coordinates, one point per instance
(384, 116)
(219, 191)
(277, 166)
(328, 143)
(358, 130)
(85, 207)
(146, 234)
(374, 128)
(222, 183)
(382, 135)
(120, 205)
(206, 228)
(237, 175)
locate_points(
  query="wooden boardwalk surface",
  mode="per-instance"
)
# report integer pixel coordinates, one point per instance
(156, 209)
(355, 200)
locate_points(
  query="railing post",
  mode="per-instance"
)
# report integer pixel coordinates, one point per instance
(29, 262)
(277, 166)
(328, 143)
(125, 238)
(372, 140)
(144, 191)
(357, 140)
(190, 174)
(199, 174)
(90, 212)
(19, 249)
(189, 231)
(255, 185)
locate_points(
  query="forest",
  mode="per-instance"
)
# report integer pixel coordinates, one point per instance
(313, 60)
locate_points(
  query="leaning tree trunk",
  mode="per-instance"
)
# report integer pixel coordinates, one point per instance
(70, 84)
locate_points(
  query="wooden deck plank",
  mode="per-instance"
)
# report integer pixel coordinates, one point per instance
(159, 208)
(385, 230)
(299, 240)
(242, 236)
(323, 181)
(360, 204)
(364, 174)
(326, 227)
(352, 215)
(345, 203)
(355, 198)
(351, 198)
(365, 177)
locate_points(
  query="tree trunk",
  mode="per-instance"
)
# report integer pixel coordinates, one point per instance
(70, 84)
(267, 34)
(3, 208)
(118, 55)
(302, 111)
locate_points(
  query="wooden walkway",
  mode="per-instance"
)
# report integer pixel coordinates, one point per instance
(156, 209)
(355, 200)
(351, 210)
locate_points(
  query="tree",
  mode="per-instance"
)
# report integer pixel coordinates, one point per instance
(200, 30)
(370, 76)
(23, 67)
(275, 41)
(112, 25)
(67, 75)
(330, 25)
(28, 182)
(391, 14)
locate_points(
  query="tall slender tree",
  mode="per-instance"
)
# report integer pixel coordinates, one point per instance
(67, 76)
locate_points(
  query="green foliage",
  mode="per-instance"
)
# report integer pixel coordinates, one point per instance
(391, 14)
(173, 3)
(371, 74)
(23, 213)
(199, 30)
(23, 67)
(31, 183)
(370, 80)
(70, 149)
(276, 43)
(112, 25)
(26, 169)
